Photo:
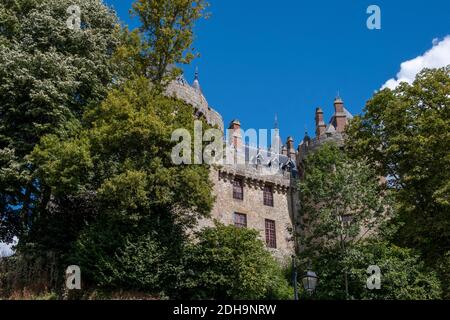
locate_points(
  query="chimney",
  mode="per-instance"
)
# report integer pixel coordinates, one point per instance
(299, 151)
(338, 104)
(320, 124)
(290, 148)
(235, 134)
(339, 114)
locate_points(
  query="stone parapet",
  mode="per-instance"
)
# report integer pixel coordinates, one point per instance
(313, 144)
(253, 177)
(194, 97)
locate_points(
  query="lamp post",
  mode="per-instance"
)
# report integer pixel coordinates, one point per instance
(310, 281)
(294, 277)
(345, 221)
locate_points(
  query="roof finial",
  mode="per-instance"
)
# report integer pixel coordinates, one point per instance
(276, 121)
(196, 73)
(338, 98)
(306, 138)
(196, 83)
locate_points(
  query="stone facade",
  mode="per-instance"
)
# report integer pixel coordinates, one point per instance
(253, 207)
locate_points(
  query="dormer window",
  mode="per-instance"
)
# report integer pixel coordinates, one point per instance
(289, 166)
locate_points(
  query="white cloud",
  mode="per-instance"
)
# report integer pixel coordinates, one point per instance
(438, 56)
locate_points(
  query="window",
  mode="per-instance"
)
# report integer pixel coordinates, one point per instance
(268, 196)
(238, 189)
(271, 238)
(240, 220)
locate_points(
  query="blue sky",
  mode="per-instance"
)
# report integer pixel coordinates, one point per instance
(264, 57)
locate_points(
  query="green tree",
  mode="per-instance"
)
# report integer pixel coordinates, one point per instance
(403, 275)
(167, 28)
(48, 75)
(56, 72)
(123, 159)
(347, 215)
(115, 256)
(48, 72)
(96, 161)
(342, 202)
(227, 262)
(404, 134)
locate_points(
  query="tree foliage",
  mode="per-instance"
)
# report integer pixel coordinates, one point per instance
(48, 75)
(124, 159)
(116, 256)
(346, 214)
(403, 274)
(85, 139)
(227, 262)
(167, 27)
(341, 201)
(48, 72)
(405, 134)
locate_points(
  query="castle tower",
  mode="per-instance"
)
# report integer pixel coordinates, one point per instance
(339, 114)
(235, 134)
(320, 124)
(306, 140)
(276, 144)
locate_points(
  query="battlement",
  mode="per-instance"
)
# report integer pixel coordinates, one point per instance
(314, 143)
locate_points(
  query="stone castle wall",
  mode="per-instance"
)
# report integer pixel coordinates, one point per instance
(185, 92)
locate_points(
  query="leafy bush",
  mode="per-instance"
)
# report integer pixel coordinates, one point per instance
(443, 269)
(403, 275)
(114, 255)
(232, 263)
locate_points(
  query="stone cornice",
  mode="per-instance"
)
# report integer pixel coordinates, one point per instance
(280, 182)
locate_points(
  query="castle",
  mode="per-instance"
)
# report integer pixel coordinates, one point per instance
(246, 195)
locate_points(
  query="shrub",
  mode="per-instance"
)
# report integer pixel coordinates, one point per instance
(232, 263)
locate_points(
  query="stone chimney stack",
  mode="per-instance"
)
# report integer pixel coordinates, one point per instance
(290, 148)
(320, 124)
(340, 116)
(299, 153)
(235, 134)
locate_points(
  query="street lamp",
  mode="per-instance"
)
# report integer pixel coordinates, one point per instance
(345, 220)
(310, 281)
(294, 277)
